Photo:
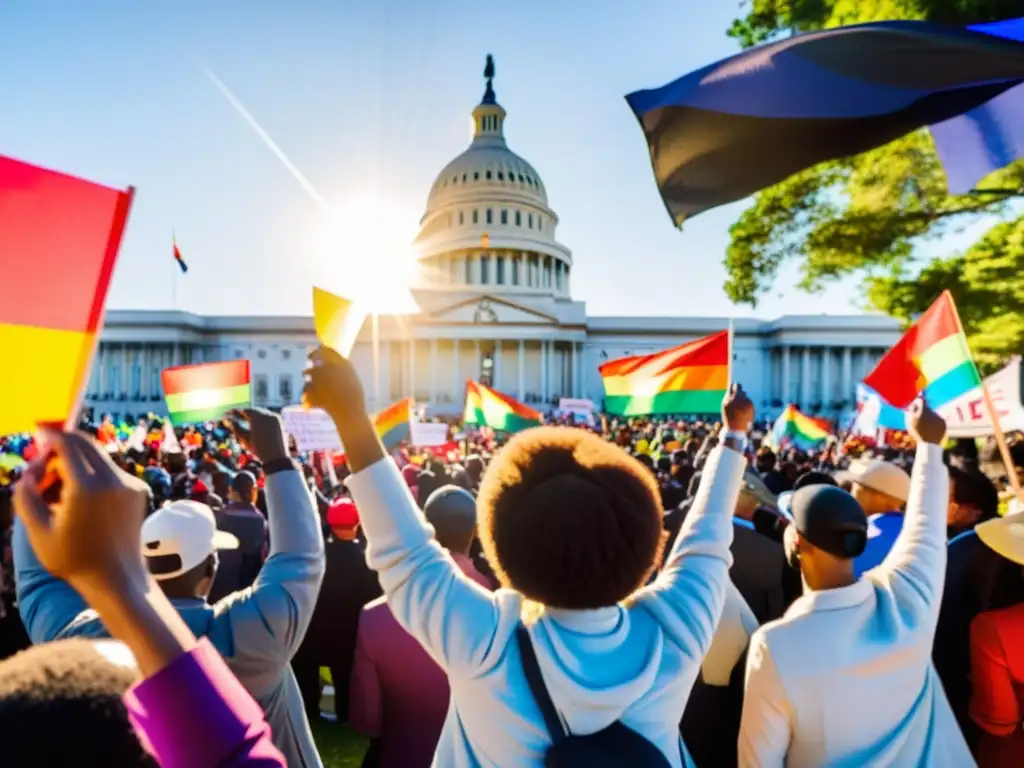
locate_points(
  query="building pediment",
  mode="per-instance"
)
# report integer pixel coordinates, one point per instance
(488, 310)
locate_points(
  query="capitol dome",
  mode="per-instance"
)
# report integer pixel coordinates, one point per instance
(487, 220)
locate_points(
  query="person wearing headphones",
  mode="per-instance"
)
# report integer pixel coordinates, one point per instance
(845, 676)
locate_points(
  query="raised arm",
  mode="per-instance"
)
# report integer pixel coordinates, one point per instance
(765, 726)
(270, 618)
(916, 565)
(689, 595)
(454, 618)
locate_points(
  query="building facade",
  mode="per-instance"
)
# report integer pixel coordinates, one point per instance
(494, 291)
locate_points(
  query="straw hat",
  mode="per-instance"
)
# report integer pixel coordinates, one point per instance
(1004, 536)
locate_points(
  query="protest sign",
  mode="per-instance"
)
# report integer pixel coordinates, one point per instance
(967, 416)
(426, 435)
(312, 429)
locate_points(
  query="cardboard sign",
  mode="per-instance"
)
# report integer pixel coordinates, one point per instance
(581, 409)
(967, 416)
(312, 429)
(427, 435)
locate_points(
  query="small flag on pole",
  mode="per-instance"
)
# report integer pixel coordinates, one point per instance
(177, 255)
(59, 237)
(487, 407)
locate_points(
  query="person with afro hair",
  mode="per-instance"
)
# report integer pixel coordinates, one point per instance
(573, 528)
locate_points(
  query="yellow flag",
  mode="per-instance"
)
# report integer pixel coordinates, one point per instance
(337, 321)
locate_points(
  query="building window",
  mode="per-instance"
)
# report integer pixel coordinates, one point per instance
(463, 178)
(499, 271)
(476, 216)
(115, 380)
(489, 217)
(238, 354)
(286, 354)
(558, 275)
(515, 270)
(519, 219)
(469, 270)
(285, 388)
(154, 381)
(504, 216)
(476, 176)
(485, 269)
(136, 381)
(461, 218)
(260, 390)
(262, 354)
(501, 176)
(540, 223)
(488, 175)
(529, 220)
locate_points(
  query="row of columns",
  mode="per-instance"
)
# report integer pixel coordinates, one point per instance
(149, 357)
(548, 363)
(533, 270)
(847, 379)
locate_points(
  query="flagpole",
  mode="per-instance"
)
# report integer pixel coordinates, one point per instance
(729, 370)
(997, 427)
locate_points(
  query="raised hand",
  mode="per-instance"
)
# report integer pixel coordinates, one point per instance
(737, 410)
(333, 385)
(91, 535)
(261, 432)
(924, 424)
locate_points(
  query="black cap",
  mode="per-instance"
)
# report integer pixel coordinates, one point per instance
(830, 519)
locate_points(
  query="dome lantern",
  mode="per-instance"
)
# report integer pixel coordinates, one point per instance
(489, 117)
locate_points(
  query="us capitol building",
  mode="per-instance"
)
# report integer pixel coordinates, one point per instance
(495, 293)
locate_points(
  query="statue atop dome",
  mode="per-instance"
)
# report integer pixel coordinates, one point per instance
(489, 97)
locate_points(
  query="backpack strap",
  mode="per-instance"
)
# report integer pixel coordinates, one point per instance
(536, 682)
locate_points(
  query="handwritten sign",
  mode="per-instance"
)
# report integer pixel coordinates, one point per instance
(312, 429)
(967, 416)
(581, 409)
(427, 435)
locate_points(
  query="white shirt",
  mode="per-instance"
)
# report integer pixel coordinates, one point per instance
(845, 677)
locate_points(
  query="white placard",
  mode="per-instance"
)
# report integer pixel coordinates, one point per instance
(580, 408)
(426, 435)
(967, 416)
(312, 429)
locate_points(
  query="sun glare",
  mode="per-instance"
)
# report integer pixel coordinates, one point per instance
(366, 254)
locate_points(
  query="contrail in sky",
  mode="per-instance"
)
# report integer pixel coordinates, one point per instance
(271, 144)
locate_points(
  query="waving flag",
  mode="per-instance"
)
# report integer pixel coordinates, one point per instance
(488, 407)
(393, 423)
(177, 255)
(691, 378)
(800, 430)
(205, 391)
(873, 413)
(732, 128)
(59, 238)
(932, 357)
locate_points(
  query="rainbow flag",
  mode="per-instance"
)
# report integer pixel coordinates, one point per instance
(205, 391)
(799, 430)
(692, 378)
(931, 357)
(393, 423)
(177, 255)
(59, 237)
(487, 407)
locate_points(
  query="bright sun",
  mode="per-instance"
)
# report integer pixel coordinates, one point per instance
(366, 252)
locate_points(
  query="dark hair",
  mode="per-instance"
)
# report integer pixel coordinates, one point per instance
(569, 520)
(974, 488)
(814, 478)
(60, 705)
(244, 485)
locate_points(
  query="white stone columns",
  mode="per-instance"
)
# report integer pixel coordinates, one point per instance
(847, 374)
(411, 388)
(520, 369)
(460, 385)
(544, 370)
(826, 378)
(433, 370)
(574, 376)
(805, 378)
(124, 371)
(784, 357)
(496, 370)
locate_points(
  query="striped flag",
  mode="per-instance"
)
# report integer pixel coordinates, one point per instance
(177, 255)
(488, 407)
(205, 391)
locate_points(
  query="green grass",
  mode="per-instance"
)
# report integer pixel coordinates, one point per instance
(339, 746)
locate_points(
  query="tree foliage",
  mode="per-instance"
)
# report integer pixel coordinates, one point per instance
(868, 215)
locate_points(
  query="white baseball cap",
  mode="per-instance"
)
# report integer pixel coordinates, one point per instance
(179, 536)
(881, 476)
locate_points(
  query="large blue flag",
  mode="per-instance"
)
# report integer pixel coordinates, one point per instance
(728, 130)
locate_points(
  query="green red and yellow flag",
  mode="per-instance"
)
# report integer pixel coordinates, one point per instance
(205, 391)
(692, 378)
(487, 407)
(59, 238)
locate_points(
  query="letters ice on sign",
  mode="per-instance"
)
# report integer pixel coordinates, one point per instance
(967, 416)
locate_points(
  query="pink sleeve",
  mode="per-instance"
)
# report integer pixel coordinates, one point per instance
(195, 714)
(364, 701)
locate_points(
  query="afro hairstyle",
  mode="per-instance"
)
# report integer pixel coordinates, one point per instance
(569, 520)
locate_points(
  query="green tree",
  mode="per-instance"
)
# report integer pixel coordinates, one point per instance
(866, 215)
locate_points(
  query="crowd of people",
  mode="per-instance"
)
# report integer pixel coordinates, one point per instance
(642, 592)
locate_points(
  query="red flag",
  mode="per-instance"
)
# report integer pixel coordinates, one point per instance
(59, 237)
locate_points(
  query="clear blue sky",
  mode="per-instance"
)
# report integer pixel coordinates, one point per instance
(363, 95)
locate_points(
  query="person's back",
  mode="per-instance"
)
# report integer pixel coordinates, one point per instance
(570, 523)
(239, 568)
(845, 677)
(256, 630)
